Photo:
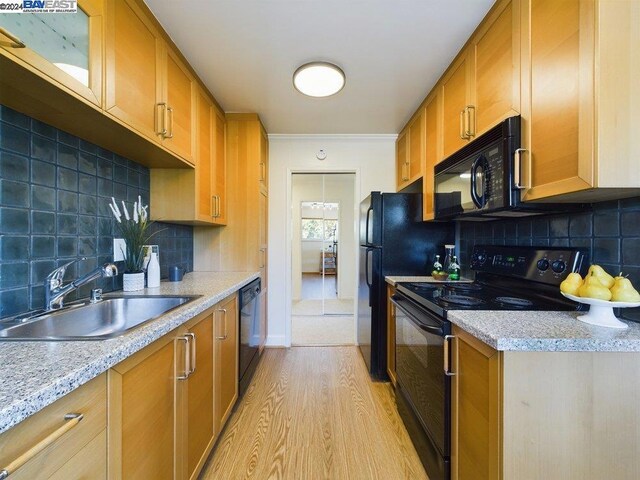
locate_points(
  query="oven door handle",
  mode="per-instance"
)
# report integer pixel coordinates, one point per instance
(411, 314)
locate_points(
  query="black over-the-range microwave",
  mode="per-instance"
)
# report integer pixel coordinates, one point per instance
(481, 181)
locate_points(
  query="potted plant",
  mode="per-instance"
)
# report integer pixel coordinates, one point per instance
(134, 230)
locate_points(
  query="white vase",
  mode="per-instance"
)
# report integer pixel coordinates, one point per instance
(132, 282)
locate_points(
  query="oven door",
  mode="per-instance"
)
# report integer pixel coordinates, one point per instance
(420, 369)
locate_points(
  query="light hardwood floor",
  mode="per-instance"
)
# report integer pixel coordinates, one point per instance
(313, 413)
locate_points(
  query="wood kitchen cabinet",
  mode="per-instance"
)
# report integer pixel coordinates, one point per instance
(482, 86)
(76, 449)
(476, 409)
(226, 364)
(582, 96)
(391, 335)
(243, 244)
(169, 401)
(147, 86)
(197, 196)
(410, 150)
(433, 146)
(55, 53)
(520, 415)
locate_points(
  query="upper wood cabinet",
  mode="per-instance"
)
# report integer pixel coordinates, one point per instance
(68, 53)
(482, 87)
(196, 196)
(133, 74)
(147, 86)
(456, 98)
(582, 100)
(433, 146)
(179, 95)
(410, 150)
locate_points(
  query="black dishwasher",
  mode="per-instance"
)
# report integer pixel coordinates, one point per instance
(250, 334)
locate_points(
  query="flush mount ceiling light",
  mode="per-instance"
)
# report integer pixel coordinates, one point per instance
(319, 79)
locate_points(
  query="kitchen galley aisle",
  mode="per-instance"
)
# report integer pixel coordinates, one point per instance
(313, 412)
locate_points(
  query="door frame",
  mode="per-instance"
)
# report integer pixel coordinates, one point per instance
(289, 242)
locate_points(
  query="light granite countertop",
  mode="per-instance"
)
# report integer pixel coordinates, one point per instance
(393, 279)
(36, 374)
(544, 331)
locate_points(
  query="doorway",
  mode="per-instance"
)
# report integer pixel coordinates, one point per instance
(323, 260)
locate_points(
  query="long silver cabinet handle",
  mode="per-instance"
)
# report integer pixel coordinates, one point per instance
(223, 337)
(213, 206)
(517, 168)
(71, 420)
(447, 371)
(170, 115)
(471, 125)
(162, 118)
(187, 358)
(17, 43)
(192, 348)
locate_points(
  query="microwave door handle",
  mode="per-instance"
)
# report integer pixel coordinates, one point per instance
(477, 201)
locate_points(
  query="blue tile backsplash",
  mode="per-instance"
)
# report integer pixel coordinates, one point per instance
(610, 231)
(54, 195)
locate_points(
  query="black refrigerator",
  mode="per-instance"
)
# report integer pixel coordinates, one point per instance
(393, 241)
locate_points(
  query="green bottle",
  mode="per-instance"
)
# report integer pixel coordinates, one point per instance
(454, 269)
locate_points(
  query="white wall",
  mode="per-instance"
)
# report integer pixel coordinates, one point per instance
(370, 157)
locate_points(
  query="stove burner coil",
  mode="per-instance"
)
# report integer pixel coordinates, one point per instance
(513, 302)
(462, 300)
(463, 286)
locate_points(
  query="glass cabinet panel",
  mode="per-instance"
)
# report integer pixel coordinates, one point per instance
(62, 39)
(65, 49)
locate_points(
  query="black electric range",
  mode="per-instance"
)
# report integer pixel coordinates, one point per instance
(506, 278)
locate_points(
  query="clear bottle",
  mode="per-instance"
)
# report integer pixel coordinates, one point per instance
(437, 266)
(153, 271)
(449, 251)
(454, 269)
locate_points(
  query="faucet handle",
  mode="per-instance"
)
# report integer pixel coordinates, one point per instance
(56, 276)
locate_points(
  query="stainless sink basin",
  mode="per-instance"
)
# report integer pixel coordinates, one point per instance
(108, 318)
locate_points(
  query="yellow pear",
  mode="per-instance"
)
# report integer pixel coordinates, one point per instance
(571, 284)
(605, 279)
(623, 291)
(593, 288)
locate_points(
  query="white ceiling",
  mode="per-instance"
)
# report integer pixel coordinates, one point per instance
(392, 52)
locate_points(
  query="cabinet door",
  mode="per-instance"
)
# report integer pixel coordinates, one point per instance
(204, 174)
(226, 378)
(264, 160)
(558, 97)
(179, 96)
(417, 133)
(142, 413)
(455, 99)
(200, 397)
(476, 410)
(263, 318)
(220, 167)
(67, 52)
(133, 54)
(402, 153)
(263, 223)
(497, 67)
(391, 335)
(432, 148)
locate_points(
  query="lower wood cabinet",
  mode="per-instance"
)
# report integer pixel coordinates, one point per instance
(74, 448)
(523, 415)
(391, 335)
(168, 402)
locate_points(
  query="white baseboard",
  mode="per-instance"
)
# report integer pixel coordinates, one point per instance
(275, 341)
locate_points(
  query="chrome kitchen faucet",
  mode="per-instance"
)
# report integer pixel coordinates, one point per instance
(54, 291)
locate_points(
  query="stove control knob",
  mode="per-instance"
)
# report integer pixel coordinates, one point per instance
(558, 266)
(543, 264)
(482, 257)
